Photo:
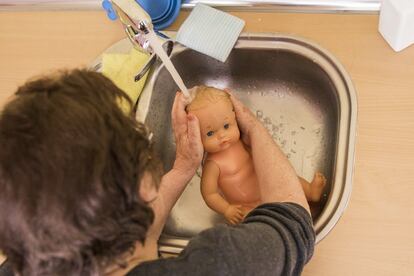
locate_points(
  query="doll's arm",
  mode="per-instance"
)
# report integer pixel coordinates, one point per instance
(209, 188)
(211, 195)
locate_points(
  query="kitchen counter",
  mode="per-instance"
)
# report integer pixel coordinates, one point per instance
(374, 236)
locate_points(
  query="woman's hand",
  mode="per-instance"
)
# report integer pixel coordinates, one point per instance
(189, 153)
(189, 148)
(246, 120)
(277, 178)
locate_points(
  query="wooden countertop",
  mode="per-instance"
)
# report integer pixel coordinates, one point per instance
(375, 234)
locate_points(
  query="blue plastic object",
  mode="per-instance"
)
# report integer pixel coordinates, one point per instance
(163, 12)
(169, 18)
(110, 12)
(156, 9)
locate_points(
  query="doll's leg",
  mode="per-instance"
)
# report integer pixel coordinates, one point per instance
(313, 191)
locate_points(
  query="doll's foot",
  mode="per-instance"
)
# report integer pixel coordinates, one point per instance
(317, 185)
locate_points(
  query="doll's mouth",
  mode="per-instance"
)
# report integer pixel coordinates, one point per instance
(225, 143)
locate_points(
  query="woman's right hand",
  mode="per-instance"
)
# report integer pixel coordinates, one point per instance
(246, 120)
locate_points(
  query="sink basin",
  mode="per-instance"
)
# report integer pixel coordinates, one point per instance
(298, 90)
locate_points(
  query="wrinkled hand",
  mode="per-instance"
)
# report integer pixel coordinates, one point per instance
(189, 148)
(246, 120)
(234, 214)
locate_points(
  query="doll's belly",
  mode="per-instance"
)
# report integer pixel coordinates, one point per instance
(240, 188)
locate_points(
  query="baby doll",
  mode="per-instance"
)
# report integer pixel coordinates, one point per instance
(229, 183)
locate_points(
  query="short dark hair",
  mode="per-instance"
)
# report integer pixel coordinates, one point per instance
(70, 166)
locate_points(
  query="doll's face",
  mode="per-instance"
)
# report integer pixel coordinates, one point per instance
(218, 126)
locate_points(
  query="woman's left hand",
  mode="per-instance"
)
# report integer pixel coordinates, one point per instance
(189, 148)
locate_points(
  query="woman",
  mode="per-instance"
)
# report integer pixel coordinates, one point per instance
(80, 193)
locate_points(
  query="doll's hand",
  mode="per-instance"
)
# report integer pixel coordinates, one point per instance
(245, 118)
(234, 214)
(189, 148)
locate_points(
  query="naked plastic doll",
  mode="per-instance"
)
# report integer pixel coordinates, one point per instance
(229, 183)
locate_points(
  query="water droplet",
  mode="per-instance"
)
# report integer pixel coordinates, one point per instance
(259, 114)
(267, 121)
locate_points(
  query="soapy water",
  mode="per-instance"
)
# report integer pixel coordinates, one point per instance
(156, 45)
(301, 146)
(293, 124)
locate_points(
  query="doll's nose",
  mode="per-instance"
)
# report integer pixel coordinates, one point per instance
(222, 136)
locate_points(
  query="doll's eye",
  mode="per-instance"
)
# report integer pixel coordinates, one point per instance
(210, 133)
(226, 126)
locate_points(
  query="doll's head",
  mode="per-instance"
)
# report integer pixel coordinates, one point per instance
(215, 112)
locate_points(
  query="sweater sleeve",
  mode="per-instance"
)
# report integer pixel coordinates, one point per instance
(274, 239)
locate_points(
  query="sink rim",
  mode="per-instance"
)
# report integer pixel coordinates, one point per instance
(347, 101)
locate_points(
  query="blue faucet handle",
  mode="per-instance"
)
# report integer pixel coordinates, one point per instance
(110, 12)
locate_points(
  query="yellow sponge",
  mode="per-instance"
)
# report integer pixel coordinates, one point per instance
(121, 69)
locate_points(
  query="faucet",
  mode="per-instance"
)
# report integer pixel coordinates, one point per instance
(137, 24)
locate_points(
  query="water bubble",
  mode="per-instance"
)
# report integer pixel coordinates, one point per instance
(275, 128)
(267, 121)
(259, 114)
(288, 155)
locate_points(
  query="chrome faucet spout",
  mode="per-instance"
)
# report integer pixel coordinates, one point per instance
(138, 25)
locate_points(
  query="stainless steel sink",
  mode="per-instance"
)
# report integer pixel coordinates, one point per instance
(300, 92)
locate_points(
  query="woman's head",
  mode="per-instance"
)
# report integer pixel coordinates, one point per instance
(70, 167)
(215, 112)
